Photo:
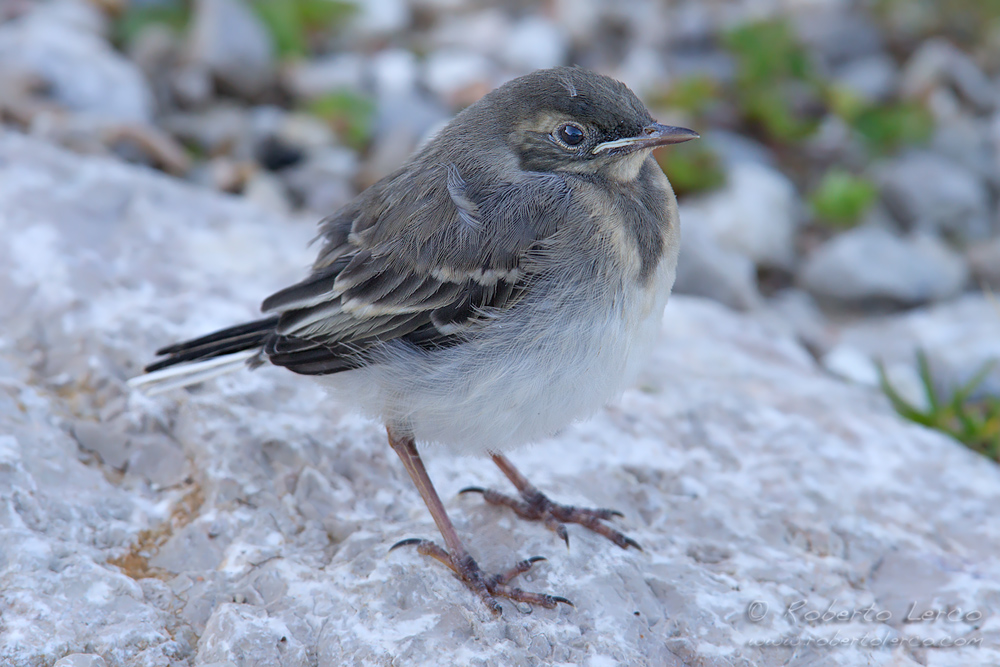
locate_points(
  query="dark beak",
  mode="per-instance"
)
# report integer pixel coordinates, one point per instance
(651, 136)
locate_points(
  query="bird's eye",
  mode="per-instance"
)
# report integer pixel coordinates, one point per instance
(570, 134)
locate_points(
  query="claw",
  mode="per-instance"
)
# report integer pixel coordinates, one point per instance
(632, 543)
(559, 598)
(405, 543)
(536, 559)
(472, 489)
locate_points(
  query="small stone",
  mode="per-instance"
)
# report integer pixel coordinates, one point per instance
(111, 446)
(323, 182)
(379, 17)
(267, 191)
(228, 38)
(535, 43)
(755, 214)
(80, 660)
(709, 270)
(451, 72)
(940, 63)
(870, 265)
(158, 459)
(309, 79)
(871, 79)
(984, 260)
(83, 72)
(933, 194)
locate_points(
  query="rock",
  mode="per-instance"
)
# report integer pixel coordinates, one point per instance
(870, 266)
(939, 63)
(84, 74)
(268, 192)
(232, 43)
(216, 130)
(733, 149)
(835, 35)
(376, 18)
(708, 270)
(322, 183)
(80, 660)
(959, 338)
(316, 77)
(984, 260)
(458, 76)
(933, 194)
(871, 79)
(798, 314)
(755, 214)
(749, 475)
(967, 140)
(534, 43)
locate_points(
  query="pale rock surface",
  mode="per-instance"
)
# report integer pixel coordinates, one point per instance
(754, 214)
(228, 38)
(871, 265)
(959, 339)
(60, 43)
(746, 473)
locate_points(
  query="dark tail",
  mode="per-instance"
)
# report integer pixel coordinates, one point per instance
(227, 341)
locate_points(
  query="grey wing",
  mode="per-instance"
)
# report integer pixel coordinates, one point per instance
(420, 263)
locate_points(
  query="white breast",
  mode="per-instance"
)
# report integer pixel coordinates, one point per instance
(524, 379)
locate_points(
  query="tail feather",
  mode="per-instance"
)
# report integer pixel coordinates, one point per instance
(227, 341)
(207, 357)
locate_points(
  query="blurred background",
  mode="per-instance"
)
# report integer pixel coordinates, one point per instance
(846, 188)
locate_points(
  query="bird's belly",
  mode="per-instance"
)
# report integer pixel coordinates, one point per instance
(522, 380)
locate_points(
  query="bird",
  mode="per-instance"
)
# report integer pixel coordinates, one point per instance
(509, 279)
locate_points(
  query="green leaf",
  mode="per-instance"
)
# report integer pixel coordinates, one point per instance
(349, 114)
(842, 199)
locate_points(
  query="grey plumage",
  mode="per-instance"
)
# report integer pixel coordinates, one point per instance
(508, 279)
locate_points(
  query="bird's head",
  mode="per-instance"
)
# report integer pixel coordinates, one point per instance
(568, 119)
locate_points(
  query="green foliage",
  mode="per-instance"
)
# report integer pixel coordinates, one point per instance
(883, 128)
(693, 94)
(135, 17)
(349, 114)
(841, 198)
(292, 22)
(775, 84)
(974, 422)
(691, 167)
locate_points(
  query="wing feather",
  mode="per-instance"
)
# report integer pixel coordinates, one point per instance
(403, 263)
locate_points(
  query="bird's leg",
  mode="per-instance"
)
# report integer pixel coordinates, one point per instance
(535, 506)
(488, 588)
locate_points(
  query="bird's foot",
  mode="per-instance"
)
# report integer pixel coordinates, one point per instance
(488, 588)
(534, 505)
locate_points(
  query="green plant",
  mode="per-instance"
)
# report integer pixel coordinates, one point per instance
(691, 168)
(972, 421)
(693, 94)
(841, 199)
(776, 89)
(349, 114)
(293, 22)
(135, 17)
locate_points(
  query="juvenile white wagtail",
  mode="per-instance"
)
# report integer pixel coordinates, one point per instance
(508, 279)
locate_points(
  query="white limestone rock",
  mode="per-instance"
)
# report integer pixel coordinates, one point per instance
(749, 476)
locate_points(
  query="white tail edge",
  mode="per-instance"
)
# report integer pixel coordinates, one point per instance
(183, 375)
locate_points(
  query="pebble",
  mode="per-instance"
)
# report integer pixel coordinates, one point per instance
(938, 63)
(707, 269)
(984, 260)
(316, 77)
(931, 193)
(871, 79)
(231, 42)
(871, 266)
(754, 214)
(535, 43)
(83, 73)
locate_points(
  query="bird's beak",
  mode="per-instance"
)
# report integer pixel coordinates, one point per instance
(651, 136)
